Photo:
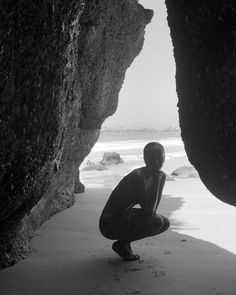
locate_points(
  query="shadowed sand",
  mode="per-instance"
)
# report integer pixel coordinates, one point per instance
(69, 256)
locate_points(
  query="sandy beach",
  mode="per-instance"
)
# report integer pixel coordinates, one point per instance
(69, 256)
(197, 255)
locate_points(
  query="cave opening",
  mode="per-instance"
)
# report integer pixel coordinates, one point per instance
(148, 96)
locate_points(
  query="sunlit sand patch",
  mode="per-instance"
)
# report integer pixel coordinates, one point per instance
(202, 215)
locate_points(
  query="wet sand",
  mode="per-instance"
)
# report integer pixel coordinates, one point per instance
(69, 256)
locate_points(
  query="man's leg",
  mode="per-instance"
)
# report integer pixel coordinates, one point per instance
(143, 226)
(110, 228)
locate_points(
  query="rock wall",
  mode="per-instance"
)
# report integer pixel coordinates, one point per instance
(204, 39)
(62, 66)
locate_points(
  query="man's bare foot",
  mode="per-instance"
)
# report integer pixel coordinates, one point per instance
(123, 251)
(128, 246)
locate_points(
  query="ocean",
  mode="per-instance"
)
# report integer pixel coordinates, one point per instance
(130, 145)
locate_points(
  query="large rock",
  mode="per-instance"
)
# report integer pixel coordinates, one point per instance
(62, 66)
(185, 172)
(111, 158)
(203, 35)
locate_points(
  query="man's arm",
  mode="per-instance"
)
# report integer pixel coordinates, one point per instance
(150, 201)
(159, 193)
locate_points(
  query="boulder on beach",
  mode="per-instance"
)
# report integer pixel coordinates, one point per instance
(185, 172)
(95, 167)
(111, 158)
(79, 186)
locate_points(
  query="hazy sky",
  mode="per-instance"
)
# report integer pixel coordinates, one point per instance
(148, 97)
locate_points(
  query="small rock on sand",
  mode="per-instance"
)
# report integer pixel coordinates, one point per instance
(185, 172)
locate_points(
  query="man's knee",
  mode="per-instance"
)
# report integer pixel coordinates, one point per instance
(166, 223)
(156, 222)
(160, 223)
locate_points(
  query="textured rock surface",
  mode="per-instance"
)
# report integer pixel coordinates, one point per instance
(62, 66)
(204, 39)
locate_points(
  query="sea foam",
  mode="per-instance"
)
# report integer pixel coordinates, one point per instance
(132, 145)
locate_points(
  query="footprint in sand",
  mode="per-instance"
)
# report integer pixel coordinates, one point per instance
(158, 273)
(130, 291)
(132, 269)
(117, 278)
(150, 266)
(168, 252)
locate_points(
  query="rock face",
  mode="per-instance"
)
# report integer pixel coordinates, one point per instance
(204, 39)
(62, 66)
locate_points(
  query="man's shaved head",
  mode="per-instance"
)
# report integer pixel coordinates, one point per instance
(148, 149)
(154, 155)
